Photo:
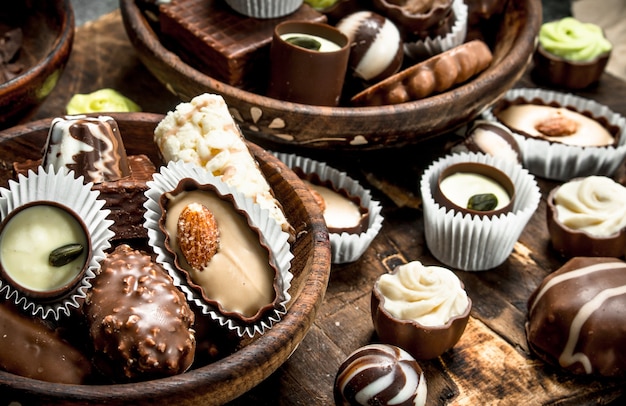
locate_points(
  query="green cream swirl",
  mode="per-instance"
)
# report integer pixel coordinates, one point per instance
(573, 40)
(101, 101)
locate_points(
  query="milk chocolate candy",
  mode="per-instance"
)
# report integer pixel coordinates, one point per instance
(576, 317)
(31, 349)
(140, 323)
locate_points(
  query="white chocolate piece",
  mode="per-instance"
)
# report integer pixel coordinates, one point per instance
(429, 295)
(525, 117)
(239, 275)
(595, 204)
(27, 241)
(460, 186)
(339, 212)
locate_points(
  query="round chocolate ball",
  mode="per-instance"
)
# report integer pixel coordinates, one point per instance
(380, 374)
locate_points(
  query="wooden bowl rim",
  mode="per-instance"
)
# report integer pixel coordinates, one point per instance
(268, 351)
(406, 114)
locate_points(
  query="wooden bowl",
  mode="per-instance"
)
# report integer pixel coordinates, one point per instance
(226, 379)
(48, 30)
(273, 122)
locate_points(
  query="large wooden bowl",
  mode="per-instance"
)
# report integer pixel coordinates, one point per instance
(232, 376)
(276, 122)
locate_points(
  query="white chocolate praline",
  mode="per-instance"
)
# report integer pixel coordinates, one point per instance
(525, 117)
(239, 275)
(493, 144)
(429, 295)
(203, 132)
(339, 212)
(325, 44)
(380, 374)
(460, 186)
(595, 204)
(376, 44)
(27, 241)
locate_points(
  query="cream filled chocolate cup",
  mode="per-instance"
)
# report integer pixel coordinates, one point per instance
(421, 309)
(475, 188)
(308, 63)
(51, 214)
(473, 242)
(587, 217)
(44, 249)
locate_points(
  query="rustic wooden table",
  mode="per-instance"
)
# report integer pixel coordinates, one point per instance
(490, 365)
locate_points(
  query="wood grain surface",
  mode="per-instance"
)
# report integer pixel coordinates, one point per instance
(490, 365)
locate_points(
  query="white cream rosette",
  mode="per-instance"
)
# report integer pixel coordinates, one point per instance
(63, 188)
(271, 233)
(475, 243)
(563, 162)
(344, 247)
(428, 47)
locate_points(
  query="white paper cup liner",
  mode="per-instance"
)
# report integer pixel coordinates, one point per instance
(63, 188)
(474, 243)
(432, 46)
(344, 247)
(264, 8)
(564, 162)
(271, 234)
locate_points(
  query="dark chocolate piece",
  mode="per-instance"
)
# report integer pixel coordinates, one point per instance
(223, 44)
(31, 349)
(575, 317)
(140, 323)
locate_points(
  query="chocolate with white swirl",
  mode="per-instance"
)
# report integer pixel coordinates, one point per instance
(380, 374)
(90, 146)
(575, 317)
(377, 49)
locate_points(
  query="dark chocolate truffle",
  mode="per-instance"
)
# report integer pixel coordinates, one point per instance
(380, 374)
(576, 317)
(140, 323)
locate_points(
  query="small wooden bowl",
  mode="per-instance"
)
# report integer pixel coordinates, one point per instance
(226, 379)
(274, 123)
(48, 29)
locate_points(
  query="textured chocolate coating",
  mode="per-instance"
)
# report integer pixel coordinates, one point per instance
(380, 374)
(90, 146)
(31, 349)
(140, 323)
(124, 197)
(225, 45)
(576, 317)
(435, 75)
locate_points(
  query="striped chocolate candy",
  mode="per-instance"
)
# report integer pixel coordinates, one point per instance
(576, 317)
(376, 45)
(380, 374)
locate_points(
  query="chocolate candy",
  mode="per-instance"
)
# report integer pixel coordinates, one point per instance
(576, 317)
(90, 146)
(140, 323)
(377, 48)
(380, 374)
(33, 350)
(224, 44)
